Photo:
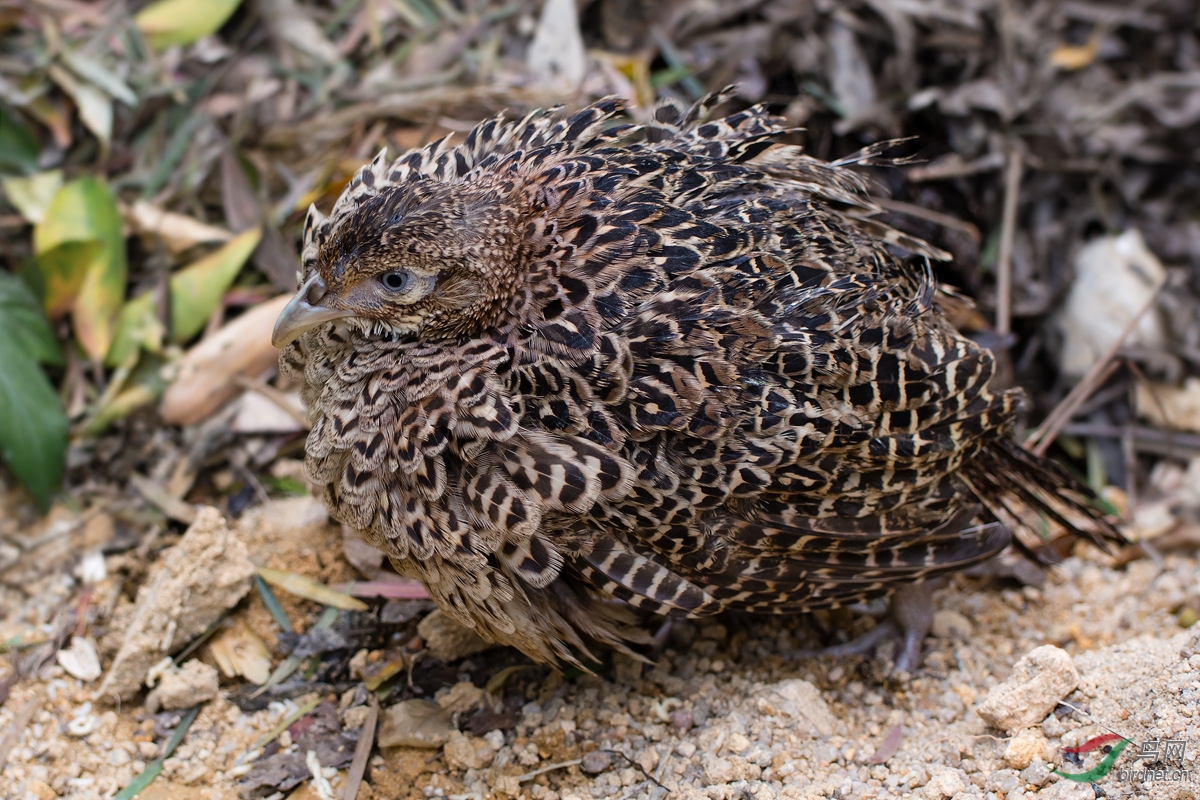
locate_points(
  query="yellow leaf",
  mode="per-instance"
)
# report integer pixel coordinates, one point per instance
(169, 22)
(1073, 56)
(83, 211)
(310, 589)
(59, 272)
(195, 291)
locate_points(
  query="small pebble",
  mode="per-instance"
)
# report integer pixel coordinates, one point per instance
(596, 761)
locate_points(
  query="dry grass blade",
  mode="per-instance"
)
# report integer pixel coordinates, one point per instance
(284, 724)
(157, 495)
(272, 604)
(936, 217)
(1040, 440)
(362, 752)
(309, 589)
(528, 776)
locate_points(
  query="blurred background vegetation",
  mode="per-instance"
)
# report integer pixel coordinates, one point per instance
(156, 160)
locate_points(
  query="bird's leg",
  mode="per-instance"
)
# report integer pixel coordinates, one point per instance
(909, 618)
(912, 611)
(658, 642)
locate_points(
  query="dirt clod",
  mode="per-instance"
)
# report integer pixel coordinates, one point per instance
(1038, 681)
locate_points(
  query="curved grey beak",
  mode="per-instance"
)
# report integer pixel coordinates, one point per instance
(304, 312)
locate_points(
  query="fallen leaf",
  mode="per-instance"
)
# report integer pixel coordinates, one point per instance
(194, 290)
(169, 22)
(80, 659)
(293, 25)
(556, 54)
(1072, 57)
(280, 413)
(83, 211)
(209, 374)
(396, 589)
(31, 195)
(178, 232)
(309, 589)
(1115, 276)
(94, 106)
(18, 147)
(1170, 406)
(57, 274)
(415, 723)
(94, 72)
(238, 650)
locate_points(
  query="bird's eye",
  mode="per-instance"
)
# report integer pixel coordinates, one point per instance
(395, 281)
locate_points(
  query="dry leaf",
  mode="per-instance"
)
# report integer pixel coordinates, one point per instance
(178, 232)
(238, 650)
(309, 589)
(1115, 276)
(80, 659)
(208, 374)
(1169, 406)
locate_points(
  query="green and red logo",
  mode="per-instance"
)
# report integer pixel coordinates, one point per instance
(1156, 754)
(1112, 753)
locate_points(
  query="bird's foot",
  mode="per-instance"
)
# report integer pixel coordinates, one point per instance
(909, 618)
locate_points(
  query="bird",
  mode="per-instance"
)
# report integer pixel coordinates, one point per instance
(581, 371)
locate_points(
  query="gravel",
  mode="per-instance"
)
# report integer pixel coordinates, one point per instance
(729, 711)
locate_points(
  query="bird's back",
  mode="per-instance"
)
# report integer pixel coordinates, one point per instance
(720, 388)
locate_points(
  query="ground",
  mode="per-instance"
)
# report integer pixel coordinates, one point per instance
(728, 711)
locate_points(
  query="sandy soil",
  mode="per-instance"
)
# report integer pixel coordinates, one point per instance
(729, 711)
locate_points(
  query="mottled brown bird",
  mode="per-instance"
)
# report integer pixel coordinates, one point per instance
(575, 365)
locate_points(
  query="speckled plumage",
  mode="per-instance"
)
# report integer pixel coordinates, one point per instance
(674, 367)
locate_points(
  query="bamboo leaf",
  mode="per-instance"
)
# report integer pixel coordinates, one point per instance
(197, 289)
(169, 22)
(18, 147)
(310, 589)
(194, 290)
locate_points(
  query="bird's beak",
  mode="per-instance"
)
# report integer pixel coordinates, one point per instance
(304, 312)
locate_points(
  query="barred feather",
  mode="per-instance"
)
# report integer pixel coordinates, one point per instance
(675, 367)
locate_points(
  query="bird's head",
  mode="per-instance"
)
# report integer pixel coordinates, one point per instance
(424, 259)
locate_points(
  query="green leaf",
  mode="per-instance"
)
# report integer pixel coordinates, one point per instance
(33, 427)
(23, 324)
(195, 291)
(18, 147)
(32, 195)
(58, 274)
(83, 211)
(169, 22)
(137, 327)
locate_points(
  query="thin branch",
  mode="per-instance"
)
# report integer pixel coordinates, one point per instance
(362, 752)
(1008, 233)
